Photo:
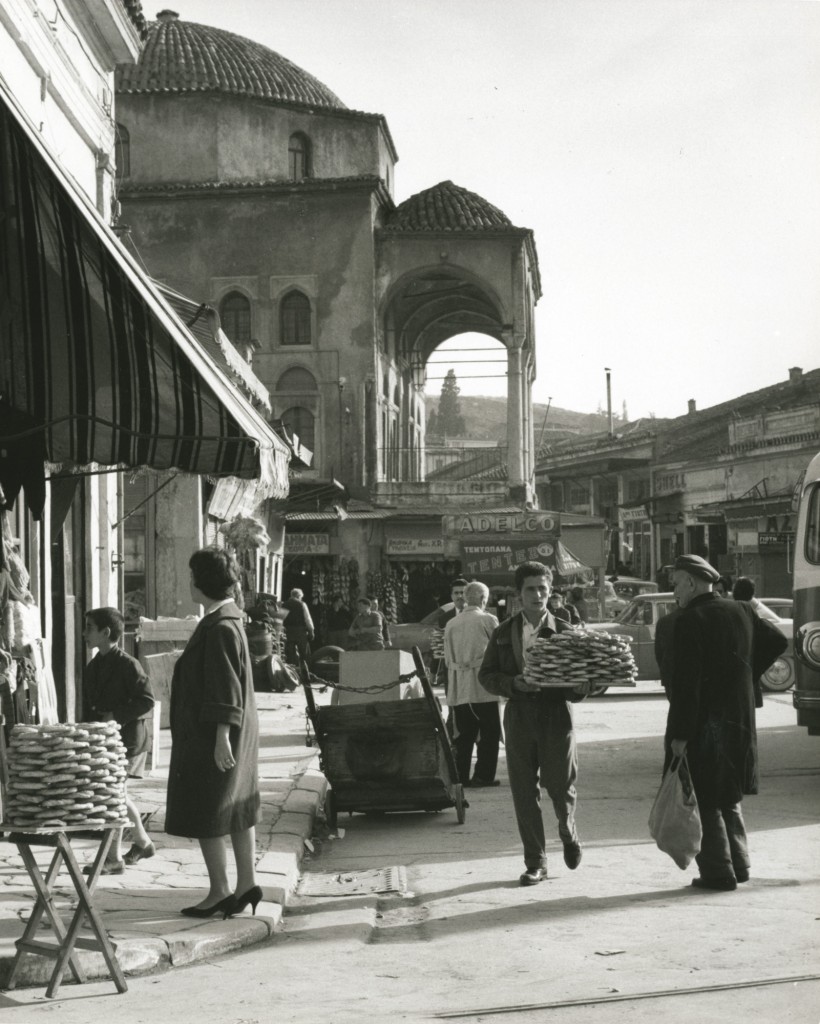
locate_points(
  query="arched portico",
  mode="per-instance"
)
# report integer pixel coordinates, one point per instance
(451, 263)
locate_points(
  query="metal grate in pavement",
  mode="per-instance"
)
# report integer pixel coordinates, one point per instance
(354, 883)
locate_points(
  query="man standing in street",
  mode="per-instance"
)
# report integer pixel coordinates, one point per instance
(298, 627)
(719, 650)
(475, 712)
(457, 588)
(538, 725)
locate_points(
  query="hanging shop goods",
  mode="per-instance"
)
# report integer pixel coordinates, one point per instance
(27, 691)
(581, 656)
(62, 775)
(329, 580)
(390, 586)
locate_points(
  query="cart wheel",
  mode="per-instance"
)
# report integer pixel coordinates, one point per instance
(461, 810)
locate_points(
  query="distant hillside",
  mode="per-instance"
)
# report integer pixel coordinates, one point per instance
(486, 419)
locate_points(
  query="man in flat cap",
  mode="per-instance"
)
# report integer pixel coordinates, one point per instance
(719, 650)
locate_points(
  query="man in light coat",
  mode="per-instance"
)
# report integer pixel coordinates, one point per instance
(476, 718)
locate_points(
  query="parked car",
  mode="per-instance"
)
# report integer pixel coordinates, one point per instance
(406, 635)
(780, 675)
(627, 587)
(613, 604)
(783, 607)
(639, 620)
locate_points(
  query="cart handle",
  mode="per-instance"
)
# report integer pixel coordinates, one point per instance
(441, 728)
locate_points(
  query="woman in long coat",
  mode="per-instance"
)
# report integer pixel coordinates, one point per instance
(213, 787)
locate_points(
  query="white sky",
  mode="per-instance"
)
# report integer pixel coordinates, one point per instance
(665, 152)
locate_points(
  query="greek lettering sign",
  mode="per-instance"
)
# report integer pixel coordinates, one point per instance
(398, 546)
(495, 562)
(481, 523)
(634, 515)
(307, 544)
(775, 540)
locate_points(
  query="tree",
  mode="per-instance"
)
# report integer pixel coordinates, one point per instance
(450, 421)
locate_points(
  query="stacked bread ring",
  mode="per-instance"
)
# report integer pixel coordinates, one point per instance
(64, 775)
(581, 656)
(437, 642)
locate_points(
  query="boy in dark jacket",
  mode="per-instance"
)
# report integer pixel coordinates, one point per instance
(116, 688)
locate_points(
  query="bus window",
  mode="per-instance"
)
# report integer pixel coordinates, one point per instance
(813, 527)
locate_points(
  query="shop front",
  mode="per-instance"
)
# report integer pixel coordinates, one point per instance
(98, 376)
(426, 564)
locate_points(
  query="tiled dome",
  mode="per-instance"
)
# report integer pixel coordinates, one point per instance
(447, 207)
(180, 56)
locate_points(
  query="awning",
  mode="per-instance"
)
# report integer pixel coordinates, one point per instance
(92, 357)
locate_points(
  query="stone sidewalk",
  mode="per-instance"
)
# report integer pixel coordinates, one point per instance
(141, 907)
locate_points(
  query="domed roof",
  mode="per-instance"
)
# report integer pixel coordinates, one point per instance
(180, 56)
(447, 207)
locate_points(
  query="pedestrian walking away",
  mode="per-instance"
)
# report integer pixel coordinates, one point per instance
(719, 650)
(299, 629)
(476, 717)
(538, 725)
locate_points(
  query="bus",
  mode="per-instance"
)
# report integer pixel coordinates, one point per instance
(806, 613)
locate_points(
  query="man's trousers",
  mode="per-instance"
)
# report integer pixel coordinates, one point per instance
(540, 742)
(476, 725)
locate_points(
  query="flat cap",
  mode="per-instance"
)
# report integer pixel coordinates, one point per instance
(697, 567)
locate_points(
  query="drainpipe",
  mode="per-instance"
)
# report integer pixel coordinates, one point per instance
(609, 401)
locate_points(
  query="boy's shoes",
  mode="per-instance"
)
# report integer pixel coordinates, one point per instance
(726, 883)
(110, 867)
(532, 876)
(138, 853)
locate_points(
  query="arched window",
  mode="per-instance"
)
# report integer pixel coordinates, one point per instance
(298, 420)
(297, 380)
(122, 152)
(235, 317)
(294, 319)
(299, 157)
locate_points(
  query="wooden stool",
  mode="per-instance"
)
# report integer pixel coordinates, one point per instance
(68, 939)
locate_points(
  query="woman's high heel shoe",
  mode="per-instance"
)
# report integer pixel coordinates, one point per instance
(252, 896)
(224, 906)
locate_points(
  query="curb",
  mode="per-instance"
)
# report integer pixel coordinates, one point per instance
(278, 871)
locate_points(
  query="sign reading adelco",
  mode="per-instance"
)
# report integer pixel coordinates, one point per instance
(481, 523)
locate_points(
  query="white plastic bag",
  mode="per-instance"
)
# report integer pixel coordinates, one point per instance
(674, 821)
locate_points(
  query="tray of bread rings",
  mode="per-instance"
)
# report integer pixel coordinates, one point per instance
(65, 777)
(580, 656)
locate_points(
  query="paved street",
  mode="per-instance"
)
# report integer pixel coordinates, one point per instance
(466, 939)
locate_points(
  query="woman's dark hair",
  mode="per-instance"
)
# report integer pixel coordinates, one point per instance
(214, 572)
(107, 618)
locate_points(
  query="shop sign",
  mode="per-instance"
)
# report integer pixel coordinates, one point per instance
(495, 562)
(307, 544)
(398, 546)
(775, 540)
(497, 522)
(634, 515)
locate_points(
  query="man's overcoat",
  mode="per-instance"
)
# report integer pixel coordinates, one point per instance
(720, 649)
(213, 683)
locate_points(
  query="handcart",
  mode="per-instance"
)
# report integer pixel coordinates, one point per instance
(386, 755)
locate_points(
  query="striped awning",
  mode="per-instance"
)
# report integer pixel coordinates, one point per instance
(92, 356)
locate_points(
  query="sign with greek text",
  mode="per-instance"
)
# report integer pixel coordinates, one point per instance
(307, 544)
(398, 546)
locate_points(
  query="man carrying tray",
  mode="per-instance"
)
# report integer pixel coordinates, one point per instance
(539, 733)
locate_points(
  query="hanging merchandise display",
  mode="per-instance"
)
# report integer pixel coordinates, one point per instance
(329, 579)
(27, 691)
(390, 586)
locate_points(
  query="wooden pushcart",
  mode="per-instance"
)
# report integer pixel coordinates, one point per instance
(383, 756)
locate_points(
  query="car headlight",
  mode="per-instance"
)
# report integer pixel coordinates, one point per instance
(807, 644)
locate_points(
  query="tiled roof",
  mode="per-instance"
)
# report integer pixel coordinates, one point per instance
(181, 56)
(447, 207)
